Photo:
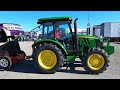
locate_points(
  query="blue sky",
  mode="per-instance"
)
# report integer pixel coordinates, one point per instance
(28, 19)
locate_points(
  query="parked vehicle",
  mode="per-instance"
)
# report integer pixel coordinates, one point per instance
(10, 54)
(11, 31)
(108, 30)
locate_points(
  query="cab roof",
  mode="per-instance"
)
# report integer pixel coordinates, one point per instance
(52, 19)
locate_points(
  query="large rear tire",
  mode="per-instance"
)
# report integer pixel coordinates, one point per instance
(96, 61)
(48, 58)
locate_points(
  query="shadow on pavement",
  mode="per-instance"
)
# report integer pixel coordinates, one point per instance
(27, 66)
(74, 72)
(117, 42)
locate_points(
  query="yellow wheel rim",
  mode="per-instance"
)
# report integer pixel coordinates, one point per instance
(96, 61)
(47, 59)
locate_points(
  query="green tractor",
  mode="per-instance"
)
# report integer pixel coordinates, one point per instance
(70, 49)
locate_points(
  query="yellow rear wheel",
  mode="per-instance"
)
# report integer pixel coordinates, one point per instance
(47, 59)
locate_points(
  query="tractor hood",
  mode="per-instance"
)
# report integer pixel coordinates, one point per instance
(86, 36)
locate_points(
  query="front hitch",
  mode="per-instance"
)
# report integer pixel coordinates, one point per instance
(108, 48)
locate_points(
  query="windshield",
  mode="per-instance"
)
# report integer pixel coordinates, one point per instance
(47, 30)
(61, 30)
(50, 30)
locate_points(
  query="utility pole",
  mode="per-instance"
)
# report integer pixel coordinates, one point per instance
(88, 25)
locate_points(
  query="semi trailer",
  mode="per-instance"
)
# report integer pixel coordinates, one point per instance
(108, 30)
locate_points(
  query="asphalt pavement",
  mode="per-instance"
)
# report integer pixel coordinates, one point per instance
(26, 70)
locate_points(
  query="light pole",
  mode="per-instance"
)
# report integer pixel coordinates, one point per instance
(88, 25)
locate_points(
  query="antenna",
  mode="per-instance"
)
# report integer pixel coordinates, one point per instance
(88, 25)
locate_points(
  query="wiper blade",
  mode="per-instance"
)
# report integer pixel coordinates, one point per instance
(35, 28)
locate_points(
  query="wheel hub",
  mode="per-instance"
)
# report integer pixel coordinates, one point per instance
(96, 61)
(47, 59)
(3, 63)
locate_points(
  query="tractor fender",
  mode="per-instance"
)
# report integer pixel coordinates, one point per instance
(60, 45)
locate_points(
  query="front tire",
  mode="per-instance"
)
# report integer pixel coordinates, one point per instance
(48, 58)
(96, 61)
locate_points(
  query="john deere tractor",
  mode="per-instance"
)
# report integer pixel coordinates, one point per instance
(70, 49)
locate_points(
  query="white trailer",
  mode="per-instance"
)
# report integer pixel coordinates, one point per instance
(107, 30)
(111, 30)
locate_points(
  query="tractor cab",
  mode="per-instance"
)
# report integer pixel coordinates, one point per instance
(58, 29)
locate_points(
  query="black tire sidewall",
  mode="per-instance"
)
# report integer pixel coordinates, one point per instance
(48, 47)
(100, 70)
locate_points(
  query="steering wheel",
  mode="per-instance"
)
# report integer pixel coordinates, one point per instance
(65, 39)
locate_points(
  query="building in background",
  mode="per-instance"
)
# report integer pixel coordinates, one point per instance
(81, 31)
(107, 30)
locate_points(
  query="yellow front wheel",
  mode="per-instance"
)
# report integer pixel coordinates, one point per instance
(96, 61)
